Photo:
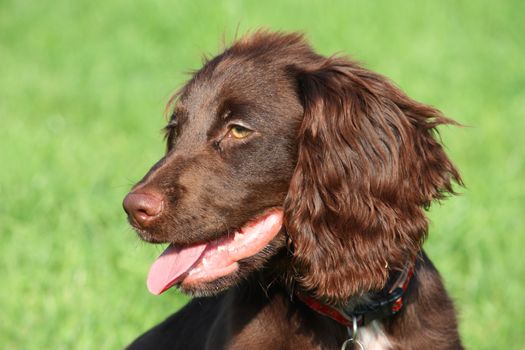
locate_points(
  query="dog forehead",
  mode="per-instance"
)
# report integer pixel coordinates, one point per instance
(212, 92)
(234, 78)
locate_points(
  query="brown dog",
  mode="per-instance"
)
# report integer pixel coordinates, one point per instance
(292, 195)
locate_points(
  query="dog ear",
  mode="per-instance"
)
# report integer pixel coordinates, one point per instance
(368, 165)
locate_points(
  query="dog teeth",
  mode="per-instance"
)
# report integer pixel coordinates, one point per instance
(204, 262)
(221, 248)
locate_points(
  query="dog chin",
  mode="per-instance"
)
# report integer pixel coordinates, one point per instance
(211, 288)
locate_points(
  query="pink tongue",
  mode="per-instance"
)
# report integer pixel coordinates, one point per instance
(170, 265)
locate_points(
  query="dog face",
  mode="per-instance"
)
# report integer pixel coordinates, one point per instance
(231, 151)
(271, 142)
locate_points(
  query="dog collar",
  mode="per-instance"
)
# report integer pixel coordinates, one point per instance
(385, 304)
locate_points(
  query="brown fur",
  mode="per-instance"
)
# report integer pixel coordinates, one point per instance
(352, 161)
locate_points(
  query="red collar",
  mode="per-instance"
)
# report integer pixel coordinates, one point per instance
(388, 303)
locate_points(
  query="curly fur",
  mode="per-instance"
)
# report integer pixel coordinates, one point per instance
(352, 161)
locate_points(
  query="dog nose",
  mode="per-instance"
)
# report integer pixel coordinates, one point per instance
(142, 208)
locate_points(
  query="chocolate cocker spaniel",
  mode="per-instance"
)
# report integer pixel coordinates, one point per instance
(292, 195)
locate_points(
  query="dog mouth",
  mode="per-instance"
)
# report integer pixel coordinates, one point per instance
(208, 261)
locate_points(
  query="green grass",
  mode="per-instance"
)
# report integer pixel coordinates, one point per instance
(82, 90)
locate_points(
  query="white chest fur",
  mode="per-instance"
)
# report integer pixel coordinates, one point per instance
(372, 337)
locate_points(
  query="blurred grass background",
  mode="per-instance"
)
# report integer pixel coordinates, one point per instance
(82, 90)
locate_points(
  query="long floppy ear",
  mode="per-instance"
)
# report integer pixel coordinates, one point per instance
(368, 165)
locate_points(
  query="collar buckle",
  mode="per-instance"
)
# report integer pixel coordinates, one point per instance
(376, 309)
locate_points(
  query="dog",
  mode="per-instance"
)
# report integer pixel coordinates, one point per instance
(292, 195)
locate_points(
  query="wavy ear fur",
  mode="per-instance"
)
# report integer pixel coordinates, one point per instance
(368, 165)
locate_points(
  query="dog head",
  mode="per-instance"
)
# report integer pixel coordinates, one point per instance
(270, 143)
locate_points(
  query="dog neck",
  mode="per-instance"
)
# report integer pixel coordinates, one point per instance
(359, 312)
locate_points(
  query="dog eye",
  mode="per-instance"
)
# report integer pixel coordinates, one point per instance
(239, 132)
(170, 134)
